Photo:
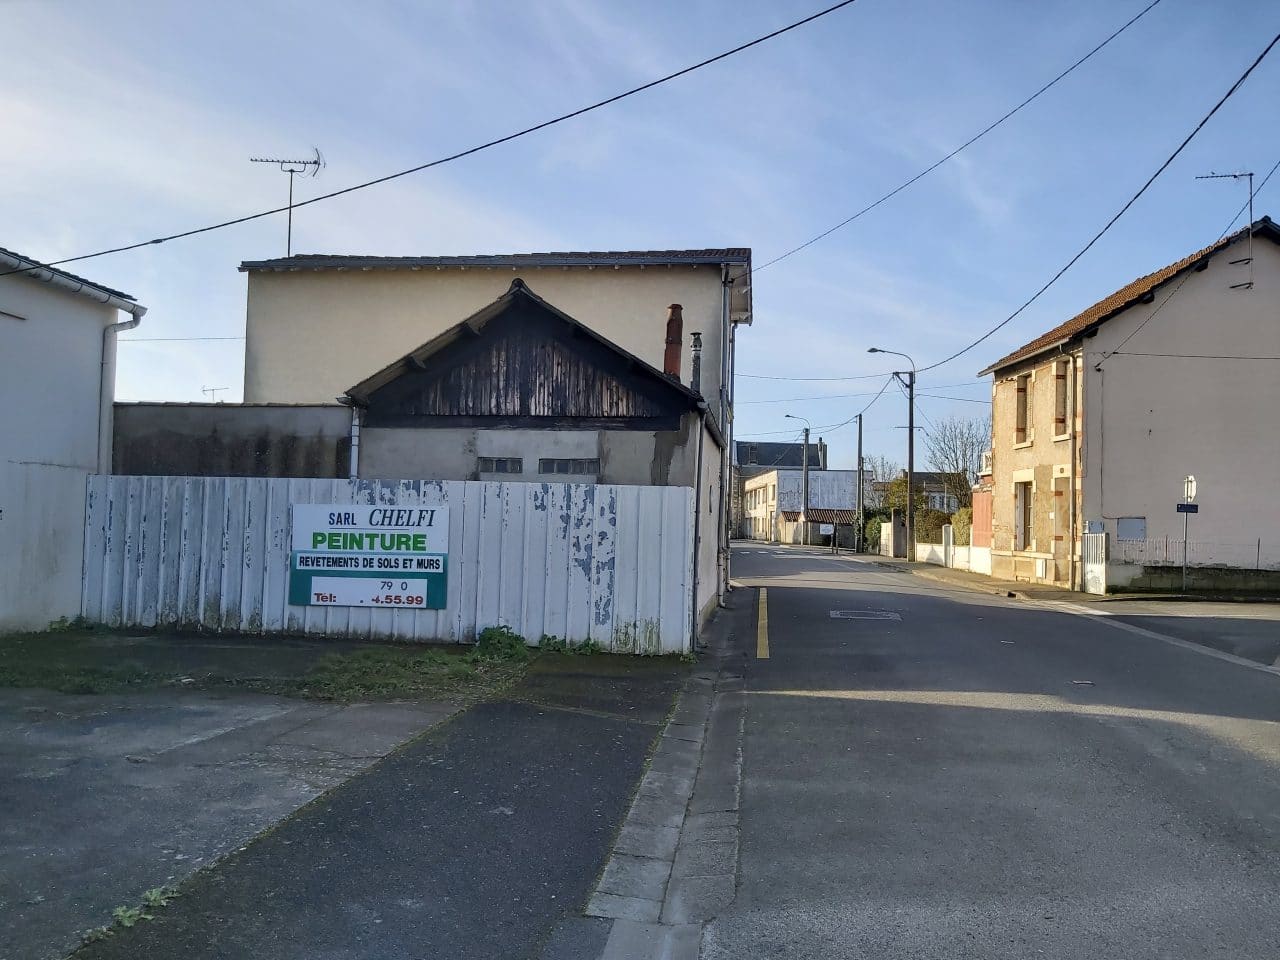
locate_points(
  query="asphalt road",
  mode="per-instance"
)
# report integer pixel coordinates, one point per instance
(942, 773)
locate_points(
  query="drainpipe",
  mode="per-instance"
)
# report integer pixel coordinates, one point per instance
(726, 424)
(353, 469)
(697, 508)
(1071, 493)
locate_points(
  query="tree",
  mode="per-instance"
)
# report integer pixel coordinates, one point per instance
(954, 449)
(879, 470)
(895, 497)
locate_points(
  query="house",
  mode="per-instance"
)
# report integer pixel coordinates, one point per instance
(57, 381)
(773, 504)
(937, 489)
(750, 459)
(519, 391)
(1097, 422)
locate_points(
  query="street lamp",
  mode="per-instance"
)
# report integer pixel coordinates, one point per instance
(910, 383)
(804, 477)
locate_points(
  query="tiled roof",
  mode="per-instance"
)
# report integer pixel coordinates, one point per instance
(1127, 296)
(37, 265)
(603, 258)
(822, 515)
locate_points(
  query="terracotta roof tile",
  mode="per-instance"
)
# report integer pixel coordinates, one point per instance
(1125, 297)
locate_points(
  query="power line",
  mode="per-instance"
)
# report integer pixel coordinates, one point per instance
(934, 396)
(1123, 210)
(471, 150)
(831, 426)
(968, 143)
(1188, 356)
(846, 396)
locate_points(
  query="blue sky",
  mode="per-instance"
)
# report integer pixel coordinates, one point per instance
(130, 119)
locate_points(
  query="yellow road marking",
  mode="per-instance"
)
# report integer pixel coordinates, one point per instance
(762, 626)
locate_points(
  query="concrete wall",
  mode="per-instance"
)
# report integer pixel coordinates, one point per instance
(828, 489)
(50, 381)
(231, 440)
(1151, 421)
(312, 334)
(645, 458)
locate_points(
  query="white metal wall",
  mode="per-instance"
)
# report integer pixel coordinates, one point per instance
(605, 563)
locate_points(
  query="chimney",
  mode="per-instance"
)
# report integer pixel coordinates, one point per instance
(695, 374)
(675, 327)
(822, 455)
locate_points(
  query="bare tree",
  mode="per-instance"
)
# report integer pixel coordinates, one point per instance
(955, 448)
(879, 470)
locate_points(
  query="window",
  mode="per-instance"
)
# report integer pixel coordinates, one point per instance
(499, 465)
(753, 453)
(589, 466)
(1023, 432)
(1022, 528)
(1060, 399)
(773, 492)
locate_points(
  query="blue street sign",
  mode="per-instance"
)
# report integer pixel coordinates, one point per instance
(1188, 508)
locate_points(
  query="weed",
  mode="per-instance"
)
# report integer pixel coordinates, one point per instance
(159, 896)
(128, 916)
(500, 643)
(553, 644)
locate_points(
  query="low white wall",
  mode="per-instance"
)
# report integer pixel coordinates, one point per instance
(930, 553)
(42, 535)
(979, 560)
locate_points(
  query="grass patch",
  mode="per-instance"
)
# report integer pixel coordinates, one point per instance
(390, 672)
(82, 661)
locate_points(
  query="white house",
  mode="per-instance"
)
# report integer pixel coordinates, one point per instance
(773, 503)
(57, 383)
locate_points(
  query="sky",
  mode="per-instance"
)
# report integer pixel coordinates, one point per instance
(127, 119)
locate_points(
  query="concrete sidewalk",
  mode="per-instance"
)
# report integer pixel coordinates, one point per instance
(978, 581)
(476, 840)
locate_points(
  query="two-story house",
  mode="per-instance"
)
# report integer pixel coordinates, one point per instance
(1097, 422)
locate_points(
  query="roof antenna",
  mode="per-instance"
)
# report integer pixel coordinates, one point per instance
(212, 392)
(310, 168)
(1247, 285)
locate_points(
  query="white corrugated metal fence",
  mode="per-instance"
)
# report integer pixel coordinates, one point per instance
(599, 562)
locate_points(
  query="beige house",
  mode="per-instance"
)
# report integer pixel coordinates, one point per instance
(1096, 423)
(773, 504)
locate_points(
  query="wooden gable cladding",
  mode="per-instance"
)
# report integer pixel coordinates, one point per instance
(525, 364)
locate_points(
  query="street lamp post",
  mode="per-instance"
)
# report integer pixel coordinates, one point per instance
(804, 480)
(910, 383)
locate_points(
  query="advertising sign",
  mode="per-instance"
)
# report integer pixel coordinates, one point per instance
(354, 555)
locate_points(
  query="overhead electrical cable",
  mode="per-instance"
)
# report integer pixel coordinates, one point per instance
(1120, 213)
(463, 153)
(964, 146)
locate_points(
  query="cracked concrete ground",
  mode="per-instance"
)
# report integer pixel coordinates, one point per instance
(104, 797)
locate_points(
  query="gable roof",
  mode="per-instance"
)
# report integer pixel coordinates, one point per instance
(25, 266)
(1135, 292)
(606, 258)
(475, 324)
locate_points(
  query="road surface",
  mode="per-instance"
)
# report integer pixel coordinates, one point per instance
(931, 772)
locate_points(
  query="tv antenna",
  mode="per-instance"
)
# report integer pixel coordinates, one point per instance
(308, 168)
(212, 392)
(1248, 284)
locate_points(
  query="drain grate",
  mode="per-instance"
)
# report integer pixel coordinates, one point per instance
(865, 615)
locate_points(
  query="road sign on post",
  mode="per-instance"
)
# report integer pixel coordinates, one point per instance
(1186, 508)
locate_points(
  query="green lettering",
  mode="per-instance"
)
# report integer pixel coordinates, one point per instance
(334, 541)
(419, 542)
(404, 542)
(317, 539)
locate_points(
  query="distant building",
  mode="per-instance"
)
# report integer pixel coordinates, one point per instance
(933, 486)
(773, 504)
(1097, 422)
(750, 459)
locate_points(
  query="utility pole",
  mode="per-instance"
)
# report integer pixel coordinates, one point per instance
(911, 463)
(857, 538)
(804, 489)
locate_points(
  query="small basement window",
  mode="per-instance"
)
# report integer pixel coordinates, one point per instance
(500, 465)
(569, 465)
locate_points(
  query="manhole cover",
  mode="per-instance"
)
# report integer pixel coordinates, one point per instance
(865, 615)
